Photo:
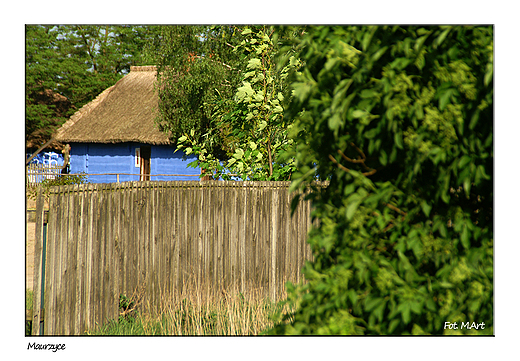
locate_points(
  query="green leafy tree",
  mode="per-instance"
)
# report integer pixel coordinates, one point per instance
(41, 62)
(196, 66)
(400, 120)
(248, 124)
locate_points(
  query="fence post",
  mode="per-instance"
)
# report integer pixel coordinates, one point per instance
(38, 258)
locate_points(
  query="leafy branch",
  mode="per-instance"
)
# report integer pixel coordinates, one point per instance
(249, 126)
(360, 161)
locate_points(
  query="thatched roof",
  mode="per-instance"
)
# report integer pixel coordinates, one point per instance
(125, 112)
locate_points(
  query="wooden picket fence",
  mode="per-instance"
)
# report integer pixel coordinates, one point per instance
(36, 173)
(162, 240)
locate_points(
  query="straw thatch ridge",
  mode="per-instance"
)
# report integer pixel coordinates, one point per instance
(125, 112)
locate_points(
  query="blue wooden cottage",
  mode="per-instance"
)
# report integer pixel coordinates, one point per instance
(115, 138)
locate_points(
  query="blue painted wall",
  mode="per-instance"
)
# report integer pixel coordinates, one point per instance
(46, 158)
(95, 158)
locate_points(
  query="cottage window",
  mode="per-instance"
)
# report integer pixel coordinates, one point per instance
(138, 157)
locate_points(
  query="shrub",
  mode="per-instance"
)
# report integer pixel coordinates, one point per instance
(61, 180)
(400, 119)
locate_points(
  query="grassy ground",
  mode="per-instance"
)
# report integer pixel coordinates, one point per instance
(28, 306)
(231, 315)
(28, 299)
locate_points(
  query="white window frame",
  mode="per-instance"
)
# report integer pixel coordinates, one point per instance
(138, 157)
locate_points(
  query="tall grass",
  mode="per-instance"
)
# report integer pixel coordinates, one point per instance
(28, 299)
(227, 314)
(28, 306)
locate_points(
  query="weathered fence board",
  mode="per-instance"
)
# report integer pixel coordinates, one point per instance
(166, 240)
(38, 259)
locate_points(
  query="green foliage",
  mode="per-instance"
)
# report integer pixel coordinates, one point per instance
(127, 308)
(206, 160)
(197, 65)
(244, 132)
(129, 326)
(258, 131)
(65, 179)
(61, 180)
(400, 119)
(28, 306)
